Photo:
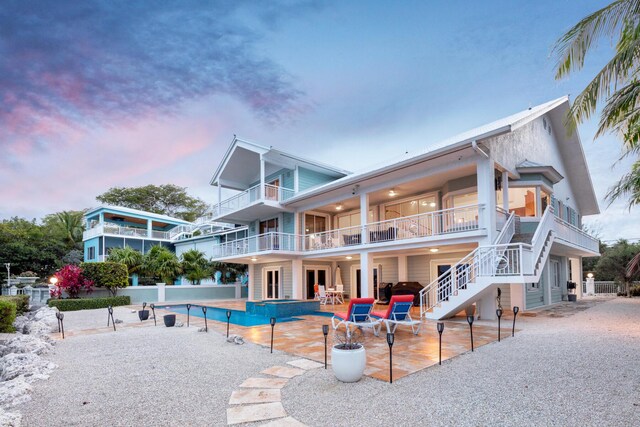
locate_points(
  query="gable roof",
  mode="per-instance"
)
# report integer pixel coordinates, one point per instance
(457, 142)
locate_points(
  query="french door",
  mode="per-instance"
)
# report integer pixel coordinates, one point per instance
(319, 276)
(272, 283)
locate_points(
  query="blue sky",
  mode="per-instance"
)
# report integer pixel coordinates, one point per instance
(102, 94)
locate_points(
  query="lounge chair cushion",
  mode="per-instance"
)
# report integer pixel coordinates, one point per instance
(394, 299)
(347, 316)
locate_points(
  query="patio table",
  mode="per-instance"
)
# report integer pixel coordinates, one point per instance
(334, 295)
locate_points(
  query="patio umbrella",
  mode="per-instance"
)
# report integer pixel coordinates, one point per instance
(338, 277)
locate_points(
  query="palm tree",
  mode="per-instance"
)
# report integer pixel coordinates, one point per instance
(161, 262)
(127, 256)
(69, 224)
(616, 84)
(228, 270)
(194, 265)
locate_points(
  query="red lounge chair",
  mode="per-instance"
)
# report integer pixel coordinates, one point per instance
(398, 313)
(358, 314)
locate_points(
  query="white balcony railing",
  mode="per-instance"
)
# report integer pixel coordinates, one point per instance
(239, 201)
(117, 230)
(255, 244)
(454, 220)
(573, 235)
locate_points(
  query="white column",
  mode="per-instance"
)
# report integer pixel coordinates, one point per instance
(262, 178)
(161, 291)
(149, 229)
(538, 204)
(219, 198)
(364, 217)
(487, 197)
(505, 191)
(403, 269)
(366, 275)
(298, 282)
(297, 231)
(252, 282)
(296, 179)
(487, 305)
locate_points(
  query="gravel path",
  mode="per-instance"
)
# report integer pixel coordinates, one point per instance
(575, 370)
(142, 376)
(580, 370)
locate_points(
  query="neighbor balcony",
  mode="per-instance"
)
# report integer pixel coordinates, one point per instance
(267, 242)
(252, 203)
(116, 230)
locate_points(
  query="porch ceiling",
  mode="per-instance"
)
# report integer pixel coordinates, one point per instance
(241, 170)
(249, 213)
(403, 190)
(443, 250)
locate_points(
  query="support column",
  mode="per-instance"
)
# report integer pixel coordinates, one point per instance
(298, 232)
(487, 197)
(298, 282)
(219, 198)
(364, 217)
(487, 305)
(149, 229)
(505, 191)
(296, 179)
(262, 178)
(252, 282)
(366, 275)
(538, 204)
(403, 269)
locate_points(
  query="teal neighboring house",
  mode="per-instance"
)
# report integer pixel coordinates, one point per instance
(110, 227)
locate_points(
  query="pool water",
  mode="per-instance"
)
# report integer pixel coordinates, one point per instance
(220, 314)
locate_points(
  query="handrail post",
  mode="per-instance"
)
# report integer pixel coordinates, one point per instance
(521, 259)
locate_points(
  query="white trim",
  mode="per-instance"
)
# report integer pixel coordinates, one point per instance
(265, 270)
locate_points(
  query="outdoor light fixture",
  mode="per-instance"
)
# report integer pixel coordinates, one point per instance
(153, 309)
(110, 316)
(390, 340)
(470, 321)
(499, 314)
(254, 259)
(432, 204)
(188, 314)
(53, 280)
(348, 257)
(204, 311)
(590, 275)
(516, 309)
(228, 319)
(440, 327)
(392, 193)
(60, 317)
(434, 250)
(339, 207)
(272, 322)
(325, 332)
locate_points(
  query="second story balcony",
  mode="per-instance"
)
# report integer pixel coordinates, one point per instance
(116, 230)
(256, 202)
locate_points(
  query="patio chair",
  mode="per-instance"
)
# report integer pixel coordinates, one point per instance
(316, 294)
(323, 296)
(339, 297)
(398, 313)
(358, 315)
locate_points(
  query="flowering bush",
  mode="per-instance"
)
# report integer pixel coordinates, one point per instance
(72, 281)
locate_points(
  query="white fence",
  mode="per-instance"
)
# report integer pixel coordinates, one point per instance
(606, 287)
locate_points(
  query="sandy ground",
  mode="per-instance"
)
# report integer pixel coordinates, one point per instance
(564, 368)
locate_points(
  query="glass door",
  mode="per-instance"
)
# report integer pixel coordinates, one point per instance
(272, 281)
(316, 276)
(269, 237)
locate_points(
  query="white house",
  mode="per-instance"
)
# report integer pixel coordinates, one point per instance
(498, 206)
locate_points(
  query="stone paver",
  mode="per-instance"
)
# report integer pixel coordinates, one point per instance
(252, 413)
(285, 422)
(305, 364)
(244, 396)
(264, 383)
(283, 371)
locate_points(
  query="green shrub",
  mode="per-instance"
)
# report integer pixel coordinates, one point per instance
(89, 303)
(21, 302)
(109, 275)
(7, 316)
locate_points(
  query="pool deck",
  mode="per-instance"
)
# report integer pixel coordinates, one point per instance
(304, 338)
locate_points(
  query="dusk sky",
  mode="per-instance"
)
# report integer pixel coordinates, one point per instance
(97, 94)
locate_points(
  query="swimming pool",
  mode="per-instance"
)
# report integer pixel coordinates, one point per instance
(220, 314)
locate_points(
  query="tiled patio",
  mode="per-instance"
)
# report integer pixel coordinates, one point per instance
(411, 353)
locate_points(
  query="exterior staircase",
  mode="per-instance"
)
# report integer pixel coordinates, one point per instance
(513, 258)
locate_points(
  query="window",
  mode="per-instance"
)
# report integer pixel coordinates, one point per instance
(415, 206)
(555, 274)
(269, 226)
(314, 224)
(522, 201)
(464, 199)
(91, 253)
(352, 219)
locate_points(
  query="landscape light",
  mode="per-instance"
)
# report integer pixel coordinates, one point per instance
(110, 316)
(60, 317)
(153, 309)
(516, 309)
(272, 322)
(390, 340)
(228, 319)
(188, 314)
(325, 332)
(204, 311)
(440, 327)
(499, 314)
(53, 280)
(470, 321)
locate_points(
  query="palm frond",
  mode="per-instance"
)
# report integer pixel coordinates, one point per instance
(627, 186)
(571, 49)
(633, 268)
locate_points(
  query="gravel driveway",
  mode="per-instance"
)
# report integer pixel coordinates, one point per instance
(575, 370)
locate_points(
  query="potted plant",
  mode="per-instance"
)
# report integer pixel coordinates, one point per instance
(348, 356)
(143, 314)
(571, 288)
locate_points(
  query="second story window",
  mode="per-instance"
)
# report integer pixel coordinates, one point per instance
(269, 226)
(314, 224)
